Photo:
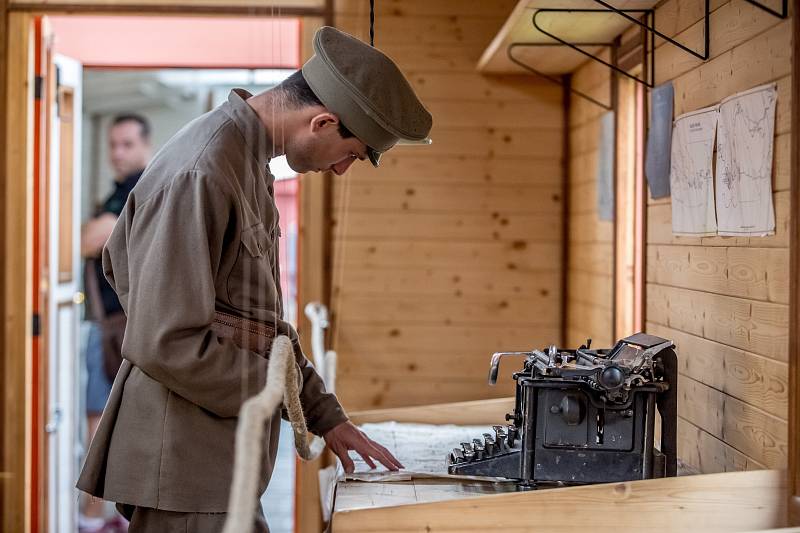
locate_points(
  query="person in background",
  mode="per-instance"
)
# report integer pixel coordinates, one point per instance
(129, 151)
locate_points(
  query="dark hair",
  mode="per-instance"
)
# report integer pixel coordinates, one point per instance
(299, 94)
(133, 117)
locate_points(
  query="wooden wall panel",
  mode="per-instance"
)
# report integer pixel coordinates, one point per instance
(590, 262)
(16, 195)
(460, 170)
(723, 300)
(449, 252)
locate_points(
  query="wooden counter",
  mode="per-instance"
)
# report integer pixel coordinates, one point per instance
(735, 501)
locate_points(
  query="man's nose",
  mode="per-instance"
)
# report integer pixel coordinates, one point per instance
(340, 167)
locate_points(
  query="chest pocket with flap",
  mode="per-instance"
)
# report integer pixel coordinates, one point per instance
(251, 282)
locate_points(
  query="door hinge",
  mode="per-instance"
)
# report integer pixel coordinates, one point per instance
(38, 84)
(36, 324)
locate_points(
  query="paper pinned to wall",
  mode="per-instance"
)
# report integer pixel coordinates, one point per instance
(691, 173)
(659, 139)
(745, 138)
(605, 168)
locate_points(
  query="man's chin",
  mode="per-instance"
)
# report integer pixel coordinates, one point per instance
(299, 167)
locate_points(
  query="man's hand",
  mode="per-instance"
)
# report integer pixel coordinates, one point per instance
(95, 233)
(346, 437)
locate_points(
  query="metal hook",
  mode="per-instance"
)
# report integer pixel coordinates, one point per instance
(577, 48)
(652, 28)
(784, 8)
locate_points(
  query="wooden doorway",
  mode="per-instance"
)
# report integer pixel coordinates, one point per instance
(22, 506)
(629, 217)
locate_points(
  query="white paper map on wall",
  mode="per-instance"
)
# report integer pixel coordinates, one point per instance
(691, 177)
(744, 162)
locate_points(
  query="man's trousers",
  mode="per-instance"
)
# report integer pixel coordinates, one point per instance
(147, 520)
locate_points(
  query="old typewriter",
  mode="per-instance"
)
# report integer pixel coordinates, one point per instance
(582, 416)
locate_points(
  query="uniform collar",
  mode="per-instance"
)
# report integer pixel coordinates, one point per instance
(247, 122)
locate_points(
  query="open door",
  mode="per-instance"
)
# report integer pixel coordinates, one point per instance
(65, 373)
(56, 281)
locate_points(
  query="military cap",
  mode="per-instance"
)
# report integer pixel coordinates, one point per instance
(366, 90)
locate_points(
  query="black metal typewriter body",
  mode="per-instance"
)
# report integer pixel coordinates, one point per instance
(583, 416)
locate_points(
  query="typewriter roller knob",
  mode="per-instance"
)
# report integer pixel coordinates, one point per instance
(612, 377)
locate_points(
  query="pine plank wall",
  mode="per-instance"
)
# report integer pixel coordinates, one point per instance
(452, 251)
(449, 252)
(722, 300)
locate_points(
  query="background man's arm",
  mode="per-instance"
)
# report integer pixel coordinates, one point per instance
(95, 233)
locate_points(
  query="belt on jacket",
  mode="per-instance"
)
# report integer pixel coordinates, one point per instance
(246, 334)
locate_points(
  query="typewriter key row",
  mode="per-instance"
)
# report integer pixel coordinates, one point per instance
(502, 441)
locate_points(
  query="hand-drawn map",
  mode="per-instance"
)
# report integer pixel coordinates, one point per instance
(744, 163)
(422, 448)
(691, 176)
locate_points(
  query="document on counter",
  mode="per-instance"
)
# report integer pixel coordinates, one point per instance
(691, 173)
(745, 136)
(421, 448)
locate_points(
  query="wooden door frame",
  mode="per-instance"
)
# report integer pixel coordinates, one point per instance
(794, 283)
(16, 196)
(16, 252)
(630, 56)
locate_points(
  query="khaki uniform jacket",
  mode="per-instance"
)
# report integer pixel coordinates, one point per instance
(199, 233)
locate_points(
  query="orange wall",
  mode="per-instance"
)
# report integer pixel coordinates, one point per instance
(218, 42)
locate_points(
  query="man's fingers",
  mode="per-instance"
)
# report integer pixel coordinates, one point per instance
(367, 460)
(388, 454)
(351, 438)
(384, 457)
(347, 463)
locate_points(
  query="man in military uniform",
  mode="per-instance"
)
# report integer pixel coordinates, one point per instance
(195, 250)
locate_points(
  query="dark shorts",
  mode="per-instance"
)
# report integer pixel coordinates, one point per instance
(98, 386)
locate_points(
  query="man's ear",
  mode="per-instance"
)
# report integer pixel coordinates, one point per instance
(323, 120)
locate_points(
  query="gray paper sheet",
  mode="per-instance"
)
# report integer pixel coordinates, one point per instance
(659, 140)
(605, 168)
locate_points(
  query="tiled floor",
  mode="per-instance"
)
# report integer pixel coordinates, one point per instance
(278, 500)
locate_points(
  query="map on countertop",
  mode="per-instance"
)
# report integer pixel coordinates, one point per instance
(745, 138)
(421, 448)
(691, 173)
